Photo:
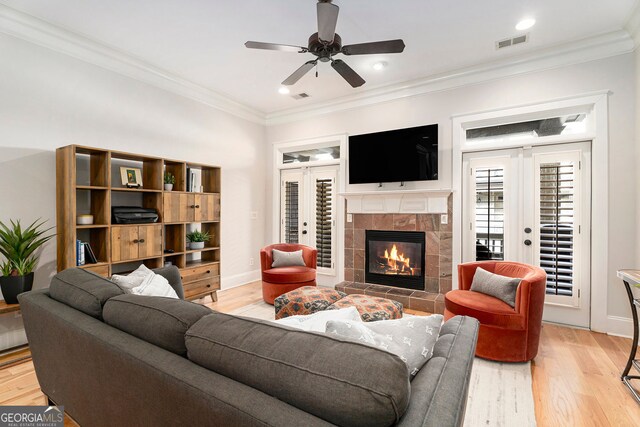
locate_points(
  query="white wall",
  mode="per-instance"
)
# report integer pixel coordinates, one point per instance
(48, 100)
(615, 74)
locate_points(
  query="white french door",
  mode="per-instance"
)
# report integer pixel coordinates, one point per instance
(533, 205)
(308, 212)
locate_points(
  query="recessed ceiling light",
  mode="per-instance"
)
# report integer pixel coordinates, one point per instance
(283, 90)
(379, 65)
(525, 24)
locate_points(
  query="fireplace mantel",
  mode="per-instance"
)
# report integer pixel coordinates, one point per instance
(400, 201)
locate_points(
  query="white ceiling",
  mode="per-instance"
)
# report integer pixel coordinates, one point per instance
(203, 40)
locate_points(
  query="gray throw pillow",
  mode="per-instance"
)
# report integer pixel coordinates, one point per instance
(287, 259)
(502, 287)
(410, 338)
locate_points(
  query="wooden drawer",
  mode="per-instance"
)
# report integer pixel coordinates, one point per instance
(101, 270)
(195, 289)
(193, 274)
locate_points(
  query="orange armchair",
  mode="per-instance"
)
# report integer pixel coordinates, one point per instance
(506, 334)
(278, 281)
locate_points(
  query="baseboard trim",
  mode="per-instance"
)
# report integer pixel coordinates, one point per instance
(619, 326)
(241, 279)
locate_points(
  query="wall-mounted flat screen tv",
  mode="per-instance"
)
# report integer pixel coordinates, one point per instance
(401, 155)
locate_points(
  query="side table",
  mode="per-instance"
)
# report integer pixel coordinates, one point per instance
(632, 277)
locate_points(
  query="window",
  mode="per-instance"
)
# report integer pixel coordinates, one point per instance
(556, 226)
(572, 124)
(489, 214)
(291, 213)
(311, 155)
(324, 221)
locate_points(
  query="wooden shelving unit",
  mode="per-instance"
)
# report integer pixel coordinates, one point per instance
(88, 182)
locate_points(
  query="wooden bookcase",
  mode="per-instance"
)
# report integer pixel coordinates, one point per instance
(88, 182)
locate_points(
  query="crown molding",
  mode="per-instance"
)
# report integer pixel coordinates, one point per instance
(633, 25)
(589, 49)
(34, 30)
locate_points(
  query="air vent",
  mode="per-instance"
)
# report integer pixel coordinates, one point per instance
(300, 95)
(501, 44)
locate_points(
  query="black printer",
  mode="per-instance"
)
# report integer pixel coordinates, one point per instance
(133, 215)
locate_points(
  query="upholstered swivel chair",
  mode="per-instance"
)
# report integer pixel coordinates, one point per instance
(506, 334)
(277, 281)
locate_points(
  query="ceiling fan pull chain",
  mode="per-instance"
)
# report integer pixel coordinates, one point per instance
(316, 70)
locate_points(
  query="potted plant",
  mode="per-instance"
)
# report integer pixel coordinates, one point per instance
(19, 246)
(169, 180)
(197, 238)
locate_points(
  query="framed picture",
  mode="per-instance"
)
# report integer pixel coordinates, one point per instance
(131, 177)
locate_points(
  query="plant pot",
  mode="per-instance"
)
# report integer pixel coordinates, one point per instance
(168, 187)
(196, 245)
(13, 285)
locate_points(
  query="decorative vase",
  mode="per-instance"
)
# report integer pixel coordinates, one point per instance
(168, 187)
(196, 245)
(13, 285)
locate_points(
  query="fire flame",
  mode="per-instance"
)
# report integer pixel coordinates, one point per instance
(395, 260)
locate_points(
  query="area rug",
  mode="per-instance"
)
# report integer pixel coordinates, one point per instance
(500, 394)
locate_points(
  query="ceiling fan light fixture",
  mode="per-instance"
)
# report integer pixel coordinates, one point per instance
(283, 90)
(379, 66)
(525, 24)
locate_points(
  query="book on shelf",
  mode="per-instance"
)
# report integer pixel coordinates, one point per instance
(90, 256)
(79, 253)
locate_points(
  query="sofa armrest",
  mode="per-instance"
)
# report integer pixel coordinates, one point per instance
(172, 274)
(439, 391)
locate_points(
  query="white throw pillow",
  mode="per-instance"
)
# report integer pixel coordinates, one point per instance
(317, 322)
(155, 285)
(132, 279)
(410, 338)
(287, 259)
(143, 281)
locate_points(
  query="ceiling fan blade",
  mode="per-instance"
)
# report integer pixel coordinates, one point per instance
(327, 20)
(347, 73)
(387, 46)
(297, 74)
(274, 46)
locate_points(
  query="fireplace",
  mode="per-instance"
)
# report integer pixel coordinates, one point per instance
(395, 258)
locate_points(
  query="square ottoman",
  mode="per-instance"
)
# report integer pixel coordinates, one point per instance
(305, 300)
(370, 308)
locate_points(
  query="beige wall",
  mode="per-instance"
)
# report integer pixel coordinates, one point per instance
(615, 74)
(48, 100)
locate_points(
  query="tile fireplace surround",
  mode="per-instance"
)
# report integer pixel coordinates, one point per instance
(438, 253)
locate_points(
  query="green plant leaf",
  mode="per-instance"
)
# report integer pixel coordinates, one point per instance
(19, 245)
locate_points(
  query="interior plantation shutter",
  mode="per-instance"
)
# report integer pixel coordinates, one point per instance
(557, 225)
(489, 213)
(290, 214)
(324, 221)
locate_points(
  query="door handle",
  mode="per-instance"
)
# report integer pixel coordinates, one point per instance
(527, 242)
(304, 231)
(136, 241)
(197, 206)
(141, 241)
(527, 230)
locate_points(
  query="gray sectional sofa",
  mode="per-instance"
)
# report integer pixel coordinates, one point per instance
(116, 359)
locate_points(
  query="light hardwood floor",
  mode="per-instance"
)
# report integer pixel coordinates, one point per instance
(576, 375)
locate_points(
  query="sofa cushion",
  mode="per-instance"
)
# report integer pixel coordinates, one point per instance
(411, 338)
(340, 381)
(287, 259)
(83, 290)
(159, 320)
(502, 287)
(289, 275)
(487, 309)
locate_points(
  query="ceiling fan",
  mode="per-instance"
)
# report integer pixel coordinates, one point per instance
(325, 44)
